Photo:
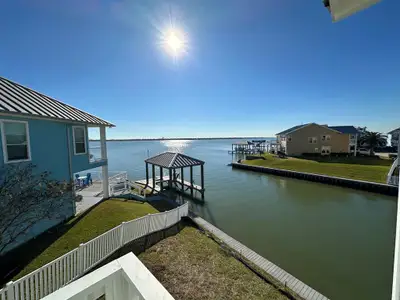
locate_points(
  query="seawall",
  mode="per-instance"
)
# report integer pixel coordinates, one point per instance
(380, 188)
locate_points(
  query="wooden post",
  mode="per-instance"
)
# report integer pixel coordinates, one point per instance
(191, 181)
(147, 174)
(202, 181)
(161, 178)
(153, 173)
(170, 183)
(182, 178)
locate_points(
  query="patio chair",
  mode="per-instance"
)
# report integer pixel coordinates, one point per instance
(77, 181)
(88, 179)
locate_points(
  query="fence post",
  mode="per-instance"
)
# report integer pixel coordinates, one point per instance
(10, 291)
(82, 258)
(148, 223)
(121, 243)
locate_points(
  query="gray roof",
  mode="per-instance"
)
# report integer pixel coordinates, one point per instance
(18, 99)
(345, 129)
(173, 160)
(394, 130)
(291, 129)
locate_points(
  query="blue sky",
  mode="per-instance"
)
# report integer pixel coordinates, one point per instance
(253, 68)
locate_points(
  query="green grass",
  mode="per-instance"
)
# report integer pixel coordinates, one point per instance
(192, 266)
(100, 219)
(360, 168)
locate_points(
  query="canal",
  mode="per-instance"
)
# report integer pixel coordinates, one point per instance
(337, 240)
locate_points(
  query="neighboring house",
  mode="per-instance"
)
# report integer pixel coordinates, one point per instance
(395, 137)
(315, 138)
(51, 135)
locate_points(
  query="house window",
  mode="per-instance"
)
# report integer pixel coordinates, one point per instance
(289, 138)
(15, 137)
(326, 137)
(312, 140)
(283, 139)
(352, 137)
(326, 150)
(316, 149)
(79, 134)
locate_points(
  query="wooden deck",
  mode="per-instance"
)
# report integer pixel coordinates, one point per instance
(165, 180)
(279, 274)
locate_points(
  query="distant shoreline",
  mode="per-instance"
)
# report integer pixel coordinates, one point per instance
(178, 139)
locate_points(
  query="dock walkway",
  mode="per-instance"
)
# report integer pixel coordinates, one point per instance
(279, 274)
(176, 182)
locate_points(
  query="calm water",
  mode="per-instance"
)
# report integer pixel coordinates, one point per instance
(339, 241)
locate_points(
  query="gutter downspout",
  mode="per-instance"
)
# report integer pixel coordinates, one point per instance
(71, 175)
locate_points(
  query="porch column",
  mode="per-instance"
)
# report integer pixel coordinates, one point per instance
(104, 168)
(355, 147)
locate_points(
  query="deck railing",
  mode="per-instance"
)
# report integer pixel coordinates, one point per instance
(393, 180)
(77, 262)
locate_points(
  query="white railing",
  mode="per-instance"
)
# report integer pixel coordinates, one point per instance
(393, 180)
(75, 263)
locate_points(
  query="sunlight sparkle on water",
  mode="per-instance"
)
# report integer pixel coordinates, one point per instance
(176, 145)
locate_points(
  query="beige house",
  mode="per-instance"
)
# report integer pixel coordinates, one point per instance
(314, 138)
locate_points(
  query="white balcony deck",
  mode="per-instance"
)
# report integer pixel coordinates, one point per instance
(123, 278)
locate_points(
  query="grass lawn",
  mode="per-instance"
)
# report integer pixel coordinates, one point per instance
(192, 266)
(100, 219)
(361, 168)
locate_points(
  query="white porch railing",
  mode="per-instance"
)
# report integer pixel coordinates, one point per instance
(75, 263)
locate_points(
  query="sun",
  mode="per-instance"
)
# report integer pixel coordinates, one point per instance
(174, 42)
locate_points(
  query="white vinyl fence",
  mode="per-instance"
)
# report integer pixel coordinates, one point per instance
(75, 263)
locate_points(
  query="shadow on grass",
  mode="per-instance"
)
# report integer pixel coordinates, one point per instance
(17, 259)
(142, 244)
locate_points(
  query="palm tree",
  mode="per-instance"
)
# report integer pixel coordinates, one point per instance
(373, 140)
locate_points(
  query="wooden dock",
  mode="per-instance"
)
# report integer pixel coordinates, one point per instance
(176, 184)
(279, 274)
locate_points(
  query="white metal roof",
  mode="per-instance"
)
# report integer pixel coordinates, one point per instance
(18, 99)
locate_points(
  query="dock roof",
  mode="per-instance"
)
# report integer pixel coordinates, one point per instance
(172, 160)
(16, 99)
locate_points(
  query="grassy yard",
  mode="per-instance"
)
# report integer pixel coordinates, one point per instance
(103, 217)
(361, 168)
(192, 266)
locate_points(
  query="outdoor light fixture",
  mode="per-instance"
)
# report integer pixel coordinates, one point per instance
(341, 9)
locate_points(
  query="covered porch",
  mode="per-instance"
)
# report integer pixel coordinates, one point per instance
(91, 194)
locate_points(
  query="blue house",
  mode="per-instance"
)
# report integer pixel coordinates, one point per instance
(51, 135)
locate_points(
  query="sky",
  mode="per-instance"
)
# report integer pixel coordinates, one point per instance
(252, 68)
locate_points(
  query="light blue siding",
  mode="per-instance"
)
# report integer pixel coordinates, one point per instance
(50, 152)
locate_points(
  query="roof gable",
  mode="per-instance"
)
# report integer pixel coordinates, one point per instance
(173, 160)
(292, 129)
(18, 99)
